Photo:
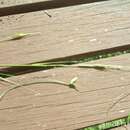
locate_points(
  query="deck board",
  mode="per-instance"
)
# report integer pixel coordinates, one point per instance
(60, 108)
(70, 31)
(121, 128)
(7, 3)
(17, 7)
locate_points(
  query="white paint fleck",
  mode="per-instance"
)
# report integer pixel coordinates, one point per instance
(23, 77)
(39, 124)
(105, 30)
(71, 40)
(37, 94)
(122, 111)
(45, 71)
(93, 40)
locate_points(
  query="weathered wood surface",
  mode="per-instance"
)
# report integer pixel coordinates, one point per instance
(56, 107)
(70, 31)
(6, 3)
(122, 128)
(30, 6)
(9, 3)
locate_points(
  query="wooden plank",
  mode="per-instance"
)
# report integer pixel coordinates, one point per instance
(70, 31)
(122, 128)
(50, 106)
(6, 3)
(30, 6)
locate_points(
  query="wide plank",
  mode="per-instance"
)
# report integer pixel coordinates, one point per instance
(71, 31)
(57, 107)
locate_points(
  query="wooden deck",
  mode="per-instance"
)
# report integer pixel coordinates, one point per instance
(64, 33)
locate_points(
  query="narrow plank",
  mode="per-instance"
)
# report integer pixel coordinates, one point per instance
(60, 108)
(122, 128)
(69, 32)
(31, 6)
(7, 3)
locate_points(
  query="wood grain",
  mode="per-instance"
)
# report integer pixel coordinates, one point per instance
(29, 6)
(6, 3)
(56, 107)
(69, 32)
(122, 128)
(9, 3)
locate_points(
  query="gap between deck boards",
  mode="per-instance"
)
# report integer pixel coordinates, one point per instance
(24, 70)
